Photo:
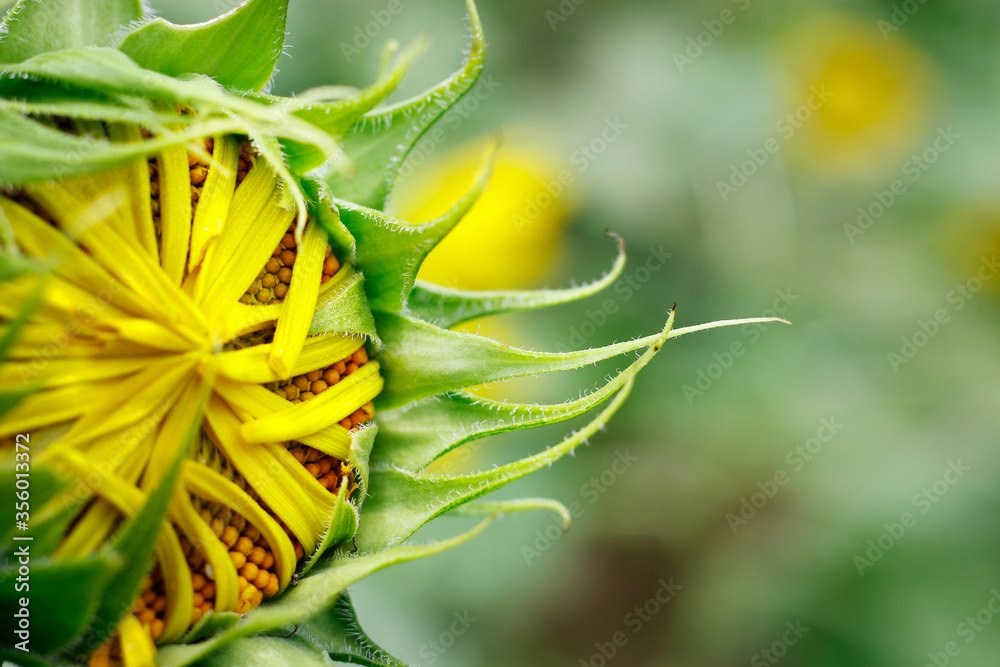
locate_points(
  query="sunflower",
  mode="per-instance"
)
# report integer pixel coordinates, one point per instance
(221, 378)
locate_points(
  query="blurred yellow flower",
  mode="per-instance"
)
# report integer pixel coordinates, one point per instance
(970, 240)
(512, 236)
(877, 94)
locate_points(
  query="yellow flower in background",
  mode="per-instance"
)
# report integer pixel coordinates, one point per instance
(971, 244)
(876, 95)
(512, 236)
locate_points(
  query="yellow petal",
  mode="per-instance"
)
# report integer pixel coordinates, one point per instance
(146, 395)
(136, 175)
(213, 206)
(251, 363)
(129, 500)
(257, 220)
(299, 305)
(303, 419)
(138, 649)
(175, 211)
(208, 484)
(227, 588)
(288, 492)
(251, 401)
(54, 406)
(40, 239)
(242, 319)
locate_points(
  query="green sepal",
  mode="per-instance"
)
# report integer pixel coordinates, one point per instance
(341, 526)
(337, 118)
(413, 436)
(403, 501)
(390, 252)
(45, 100)
(345, 309)
(31, 151)
(343, 523)
(239, 49)
(343, 244)
(381, 141)
(277, 650)
(212, 623)
(115, 75)
(45, 486)
(340, 634)
(314, 594)
(501, 507)
(12, 262)
(268, 147)
(22, 659)
(49, 526)
(362, 443)
(420, 360)
(64, 595)
(448, 307)
(10, 398)
(13, 266)
(33, 27)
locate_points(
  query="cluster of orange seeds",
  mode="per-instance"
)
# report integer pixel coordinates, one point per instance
(271, 284)
(248, 549)
(150, 606)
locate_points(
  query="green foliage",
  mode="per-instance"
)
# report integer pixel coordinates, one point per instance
(240, 49)
(32, 28)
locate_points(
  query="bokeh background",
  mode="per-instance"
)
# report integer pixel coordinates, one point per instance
(828, 495)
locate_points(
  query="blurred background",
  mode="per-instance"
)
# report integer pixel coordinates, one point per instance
(822, 494)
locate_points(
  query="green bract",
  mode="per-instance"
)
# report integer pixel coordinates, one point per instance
(133, 87)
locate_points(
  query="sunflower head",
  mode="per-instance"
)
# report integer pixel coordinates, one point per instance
(222, 381)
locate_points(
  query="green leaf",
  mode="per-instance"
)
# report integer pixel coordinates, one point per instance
(413, 436)
(340, 634)
(239, 49)
(314, 595)
(447, 307)
(390, 252)
(39, 26)
(403, 501)
(64, 595)
(272, 651)
(381, 141)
